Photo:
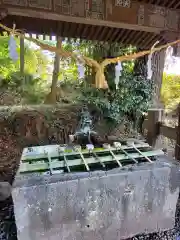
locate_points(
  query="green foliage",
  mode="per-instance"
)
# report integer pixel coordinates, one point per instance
(31, 90)
(32, 85)
(35, 61)
(133, 95)
(6, 64)
(171, 90)
(134, 92)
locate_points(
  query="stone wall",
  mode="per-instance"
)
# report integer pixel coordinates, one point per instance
(39, 125)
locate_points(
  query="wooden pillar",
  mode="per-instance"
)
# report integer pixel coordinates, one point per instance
(21, 55)
(155, 112)
(177, 149)
(153, 126)
(158, 61)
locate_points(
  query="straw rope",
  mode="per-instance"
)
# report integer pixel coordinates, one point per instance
(100, 81)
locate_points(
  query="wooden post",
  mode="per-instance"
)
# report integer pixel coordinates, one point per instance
(158, 61)
(177, 149)
(156, 110)
(21, 55)
(153, 126)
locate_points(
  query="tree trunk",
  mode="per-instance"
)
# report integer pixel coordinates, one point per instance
(51, 98)
(22, 56)
(158, 68)
(140, 67)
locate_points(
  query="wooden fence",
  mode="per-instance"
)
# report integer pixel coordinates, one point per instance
(155, 127)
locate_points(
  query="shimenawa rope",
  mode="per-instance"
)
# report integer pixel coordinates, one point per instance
(100, 81)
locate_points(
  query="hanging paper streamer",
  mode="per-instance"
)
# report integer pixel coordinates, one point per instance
(118, 69)
(13, 49)
(81, 70)
(170, 60)
(149, 67)
(149, 63)
(80, 64)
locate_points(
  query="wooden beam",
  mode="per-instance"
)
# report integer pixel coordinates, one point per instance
(158, 2)
(165, 2)
(97, 22)
(78, 30)
(177, 5)
(102, 34)
(96, 33)
(169, 36)
(171, 3)
(118, 18)
(139, 40)
(64, 29)
(91, 31)
(114, 34)
(165, 131)
(168, 132)
(145, 39)
(125, 36)
(84, 31)
(138, 35)
(120, 34)
(108, 35)
(150, 40)
(131, 38)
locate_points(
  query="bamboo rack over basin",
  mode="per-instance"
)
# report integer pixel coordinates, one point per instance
(50, 158)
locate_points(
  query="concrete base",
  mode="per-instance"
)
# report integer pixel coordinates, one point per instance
(101, 205)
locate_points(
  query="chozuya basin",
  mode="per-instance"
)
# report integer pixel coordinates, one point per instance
(108, 204)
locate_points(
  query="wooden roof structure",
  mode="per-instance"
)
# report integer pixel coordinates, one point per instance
(140, 23)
